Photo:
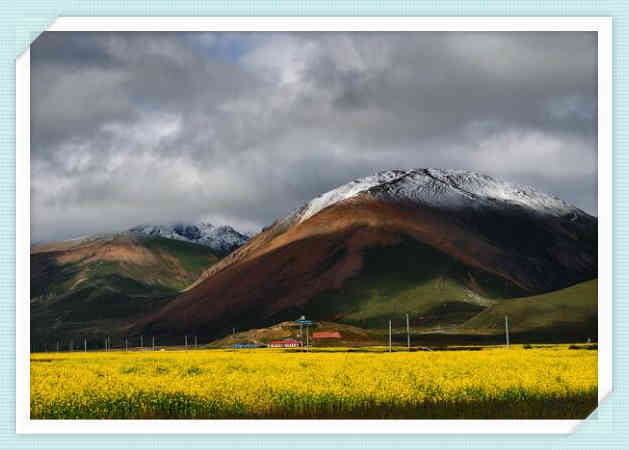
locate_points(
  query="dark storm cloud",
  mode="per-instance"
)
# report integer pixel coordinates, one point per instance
(241, 128)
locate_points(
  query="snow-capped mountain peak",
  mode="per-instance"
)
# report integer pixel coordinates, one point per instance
(221, 239)
(448, 189)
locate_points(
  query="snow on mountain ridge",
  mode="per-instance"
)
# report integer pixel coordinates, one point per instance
(442, 188)
(222, 239)
(348, 190)
(487, 187)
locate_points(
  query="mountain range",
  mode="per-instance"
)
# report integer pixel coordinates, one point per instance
(453, 249)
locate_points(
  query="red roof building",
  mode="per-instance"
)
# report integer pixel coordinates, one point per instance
(326, 335)
(285, 343)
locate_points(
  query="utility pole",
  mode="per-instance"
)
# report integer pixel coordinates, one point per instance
(84, 345)
(389, 336)
(153, 343)
(186, 343)
(507, 330)
(307, 339)
(107, 344)
(142, 342)
(196, 342)
(408, 333)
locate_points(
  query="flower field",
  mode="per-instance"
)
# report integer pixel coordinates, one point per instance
(544, 382)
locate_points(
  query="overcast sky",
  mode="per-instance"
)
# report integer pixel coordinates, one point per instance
(240, 128)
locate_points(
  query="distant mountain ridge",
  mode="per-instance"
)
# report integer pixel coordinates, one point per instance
(221, 239)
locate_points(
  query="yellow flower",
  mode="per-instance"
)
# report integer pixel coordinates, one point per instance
(549, 382)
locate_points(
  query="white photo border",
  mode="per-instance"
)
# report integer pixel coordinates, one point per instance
(601, 25)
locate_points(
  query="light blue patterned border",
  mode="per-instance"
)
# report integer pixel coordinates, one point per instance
(21, 23)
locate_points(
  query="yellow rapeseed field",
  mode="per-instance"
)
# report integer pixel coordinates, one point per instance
(547, 382)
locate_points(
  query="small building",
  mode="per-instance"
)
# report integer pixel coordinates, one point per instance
(326, 335)
(285, 343)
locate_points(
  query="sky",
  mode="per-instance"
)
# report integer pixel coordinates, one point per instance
(131, 128)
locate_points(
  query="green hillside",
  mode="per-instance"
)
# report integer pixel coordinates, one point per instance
(96, 287)
(438, 292)
(571, 308)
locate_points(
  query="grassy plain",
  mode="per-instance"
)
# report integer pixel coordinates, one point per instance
(540, 382)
